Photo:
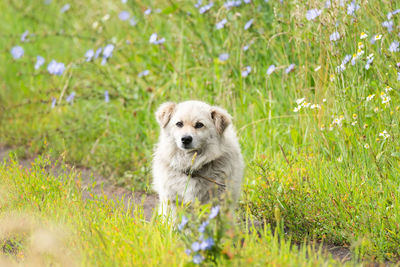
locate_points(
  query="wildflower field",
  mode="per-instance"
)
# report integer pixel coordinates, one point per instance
(313, 87)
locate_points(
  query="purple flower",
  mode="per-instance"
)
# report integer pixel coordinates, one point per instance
(346, 59)
(207, 244)
(98, 52)
(246, 72)
(39, 62)
(53, 102)
(198, 4)
(153, 39)
(388, 25)
(352, 8)
(205, 8)
(89, 55)
(394, 46)
(248, 24)
(147, 11)
(398, 76)
(124, 15)
(196, 246)
(24, 35)
(183, 223)
(197, 259)
(107, 52)
(271, 69)
(223, 57)
(188, 252)
(290, 68)
(124, 1)
(56, 68)
(221, 24)
(17, 52)
(214, 212)
(203, 226)
(106, 97)
(230, 4)
(334, 37)
(65, 8)
(143, 73)
(313, 13)
(71, 97)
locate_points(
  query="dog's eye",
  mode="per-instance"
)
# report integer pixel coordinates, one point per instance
(198, 125)
(179, 124)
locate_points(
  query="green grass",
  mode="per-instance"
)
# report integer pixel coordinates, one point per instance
(323, 180)
(100, 232)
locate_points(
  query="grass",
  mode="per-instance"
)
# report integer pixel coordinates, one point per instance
(99, 232)
(331, 173)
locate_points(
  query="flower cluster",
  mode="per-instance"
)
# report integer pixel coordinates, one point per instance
(302, 103)
(201, 239)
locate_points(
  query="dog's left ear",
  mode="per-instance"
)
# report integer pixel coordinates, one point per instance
(164, 113)
(221, 119)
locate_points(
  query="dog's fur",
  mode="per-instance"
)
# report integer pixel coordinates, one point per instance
(186, 172)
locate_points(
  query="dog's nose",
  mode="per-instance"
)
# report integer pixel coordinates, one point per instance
(187, 139)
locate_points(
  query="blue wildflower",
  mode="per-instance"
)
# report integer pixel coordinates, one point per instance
(147, 11)
(153, 39)
(89, 55)
(24, 35)
(394, 46)
(328, 4)
(352, 8)
(17, 52)
(183, 223)
(247, 1)
(223, 57)
(124, 15)
(214, 212)
(188, 252)
(143, 73)
(290, 68)
(71, 97)
(221, 24)
(39, 62)
(53, 102)
(370, 59)
(246, 72)
(248, 24)
(334, 36)
(124, 1)
(196, 246)
(205, 8)
(207, 244)
(107, 52)
(106, 97)
(203, 226)
(65, 8)
(271, 69)
(312, 14)
(398, 76)
(56, 68)
(346, 59)
(98, 52)
(230, 4)
(198, 4)
(197, 259)
(388, 25)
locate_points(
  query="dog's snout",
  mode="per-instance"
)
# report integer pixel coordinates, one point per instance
(187, 139)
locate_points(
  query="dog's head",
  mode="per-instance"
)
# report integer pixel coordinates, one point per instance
(192, 124)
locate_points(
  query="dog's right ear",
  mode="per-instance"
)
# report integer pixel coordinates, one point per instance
(164, 113)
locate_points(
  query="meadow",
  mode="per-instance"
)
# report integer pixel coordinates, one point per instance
(313, 87)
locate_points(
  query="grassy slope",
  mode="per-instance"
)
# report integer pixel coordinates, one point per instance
(329, 186)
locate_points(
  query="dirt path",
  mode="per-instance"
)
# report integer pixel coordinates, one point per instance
(148, 201)
(103, 185)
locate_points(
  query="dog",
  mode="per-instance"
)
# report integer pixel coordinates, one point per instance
(197, 156)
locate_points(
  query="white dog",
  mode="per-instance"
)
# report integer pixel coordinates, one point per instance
(197, 156)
